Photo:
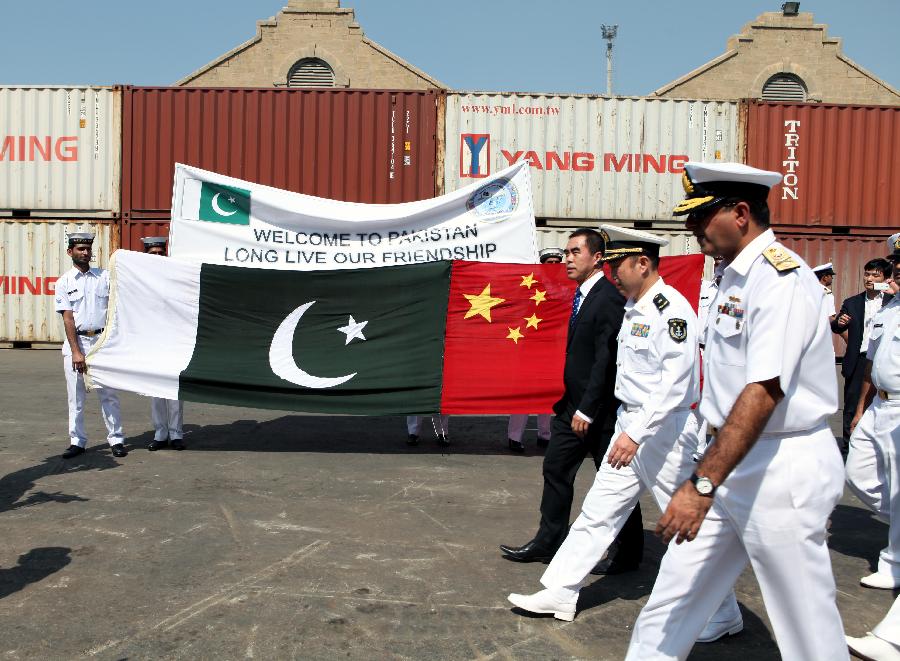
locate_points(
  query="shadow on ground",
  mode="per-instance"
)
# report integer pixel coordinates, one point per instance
(34, 566)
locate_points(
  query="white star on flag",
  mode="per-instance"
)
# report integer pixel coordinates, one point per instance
(353, 330)
(231, 199)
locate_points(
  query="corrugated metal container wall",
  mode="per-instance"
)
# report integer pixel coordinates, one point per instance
(591, 157)
(373, 146)
(133, 231)
(32, 257)
(60, 150)
(840, 163)
(681, 242)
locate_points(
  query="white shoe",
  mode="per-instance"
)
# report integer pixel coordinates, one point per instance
(873, 648)
(544, 602)
(879, 581)
(715, 630)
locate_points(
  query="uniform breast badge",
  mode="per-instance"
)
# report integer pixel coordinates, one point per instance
(678, 329)
(640, 330)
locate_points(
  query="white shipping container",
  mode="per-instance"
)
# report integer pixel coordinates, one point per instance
(591, 157)
(32, 257)
(61, 150)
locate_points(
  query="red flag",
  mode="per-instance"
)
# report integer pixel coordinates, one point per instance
(505, 343)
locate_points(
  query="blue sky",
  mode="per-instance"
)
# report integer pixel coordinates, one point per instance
(517, 45)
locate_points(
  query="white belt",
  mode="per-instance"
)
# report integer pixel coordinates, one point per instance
(714, 431)
(631, 408)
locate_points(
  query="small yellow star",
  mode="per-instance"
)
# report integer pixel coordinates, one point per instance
(528, 280)
(482, 303)
(539, 297)
(532, 321)
(515, 334)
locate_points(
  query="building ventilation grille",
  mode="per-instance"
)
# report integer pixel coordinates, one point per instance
(784, 87)
(311, 72)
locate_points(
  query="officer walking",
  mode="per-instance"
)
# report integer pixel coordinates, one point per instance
(773, 474)
(873, 468)
(167, 414)
(517, 422)
(825, 274)
(82, 298)
(657, 381)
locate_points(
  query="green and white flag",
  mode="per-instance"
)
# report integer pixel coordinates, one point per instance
(223, 220)
(365, 342)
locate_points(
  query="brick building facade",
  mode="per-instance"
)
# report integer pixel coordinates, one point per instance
(311, 43)
(783, 56)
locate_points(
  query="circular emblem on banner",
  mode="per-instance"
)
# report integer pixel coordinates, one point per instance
(495, 200)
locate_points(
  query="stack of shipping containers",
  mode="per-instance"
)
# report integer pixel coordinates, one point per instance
(840, 197)
(60, 160)
(372, 146)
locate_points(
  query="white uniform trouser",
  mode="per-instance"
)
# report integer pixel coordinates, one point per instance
(440, 423)
(516, 428)
(889, 628)
(772, 510)
(109, 401)
(662, 463)
(168, 418)
(873, 473)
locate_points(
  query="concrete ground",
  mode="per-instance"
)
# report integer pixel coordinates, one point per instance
(279, 536)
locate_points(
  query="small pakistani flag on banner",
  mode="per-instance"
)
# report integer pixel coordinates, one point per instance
(224, 204)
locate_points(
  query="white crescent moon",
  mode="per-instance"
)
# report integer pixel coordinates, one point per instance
(281, 355)
(218, 209)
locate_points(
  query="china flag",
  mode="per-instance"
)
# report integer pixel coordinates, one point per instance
(505, 341)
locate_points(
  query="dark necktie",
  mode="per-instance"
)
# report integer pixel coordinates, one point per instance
(575, 301)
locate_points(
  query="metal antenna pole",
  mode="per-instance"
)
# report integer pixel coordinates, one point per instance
(609, 33)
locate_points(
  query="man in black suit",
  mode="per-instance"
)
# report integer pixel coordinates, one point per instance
(853, 323)
(585, 416)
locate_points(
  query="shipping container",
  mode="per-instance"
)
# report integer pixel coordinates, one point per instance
(32, 257)
(132, 231)
(591, 157)
(60, 151)
(840, 165)
(372, 146)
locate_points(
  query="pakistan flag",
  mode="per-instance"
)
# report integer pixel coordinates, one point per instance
(366, 342)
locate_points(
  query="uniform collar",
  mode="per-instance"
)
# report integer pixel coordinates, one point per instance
(741, 264)
(645, 304)
(78, 273)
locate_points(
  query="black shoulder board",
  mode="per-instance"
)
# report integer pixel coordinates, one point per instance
(661, 302)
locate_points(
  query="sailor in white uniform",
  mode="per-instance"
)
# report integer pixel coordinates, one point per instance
(167, 414)
(82, 298)
(657, 381)
(825, 274)
(768, 482)
(873, 461)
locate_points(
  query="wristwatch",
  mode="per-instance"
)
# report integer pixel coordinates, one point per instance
(703, 485)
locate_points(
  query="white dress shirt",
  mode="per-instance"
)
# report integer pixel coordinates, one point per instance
(884, 347)
(86, 295)
(872, 306)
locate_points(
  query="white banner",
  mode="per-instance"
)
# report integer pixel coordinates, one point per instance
(222, 220)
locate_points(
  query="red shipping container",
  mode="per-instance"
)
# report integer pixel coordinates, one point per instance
(372, 146)
(840, 163)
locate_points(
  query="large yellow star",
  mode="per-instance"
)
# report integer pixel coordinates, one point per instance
(528, 280)
(532, 321)
(515, 334)
(539, 297)
(482, 303)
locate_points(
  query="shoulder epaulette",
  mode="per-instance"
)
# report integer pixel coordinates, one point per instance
(828, 290)
(661, 302)
(778, 257)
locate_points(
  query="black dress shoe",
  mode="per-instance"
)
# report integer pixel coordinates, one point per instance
(72, 451)
(177, 444)
(412, 439)
(531, 552)
(516, 446)
(118, 450)
(153, 446)
(607, 567)
(442, 441)
(543, 442)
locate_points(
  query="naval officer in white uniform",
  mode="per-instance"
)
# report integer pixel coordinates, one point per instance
(657, 381)
(873, 464)
(773, 473)
(167, 414)
(875, 446)
(82, 298)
